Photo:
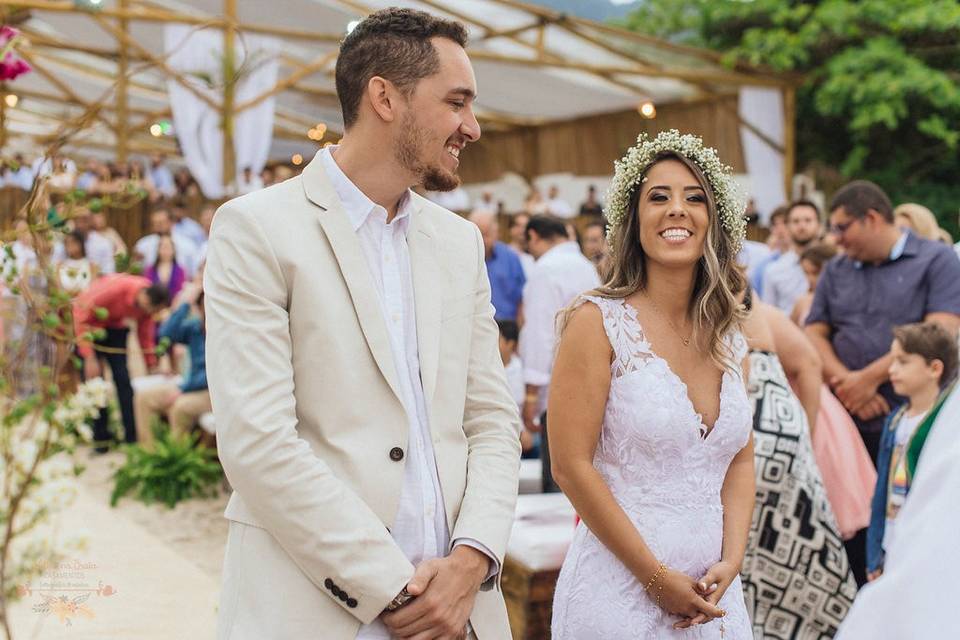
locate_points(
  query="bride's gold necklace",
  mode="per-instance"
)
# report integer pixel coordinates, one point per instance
(656, 307)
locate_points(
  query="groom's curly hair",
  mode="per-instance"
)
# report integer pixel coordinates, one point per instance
(393, 44)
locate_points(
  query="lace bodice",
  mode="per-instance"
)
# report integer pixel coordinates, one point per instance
(654, 445)
(666, 472)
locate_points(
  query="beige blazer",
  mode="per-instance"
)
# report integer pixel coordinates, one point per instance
(309, 417)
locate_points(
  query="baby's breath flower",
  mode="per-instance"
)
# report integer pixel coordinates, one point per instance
(628, 174)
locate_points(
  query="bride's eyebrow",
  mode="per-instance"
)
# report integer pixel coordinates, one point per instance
(667, 187)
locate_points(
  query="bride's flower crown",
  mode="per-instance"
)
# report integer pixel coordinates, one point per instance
(628, 175)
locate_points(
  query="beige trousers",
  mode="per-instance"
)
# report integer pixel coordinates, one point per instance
(183, 413)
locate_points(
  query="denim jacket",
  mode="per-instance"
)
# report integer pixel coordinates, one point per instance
(878, 508)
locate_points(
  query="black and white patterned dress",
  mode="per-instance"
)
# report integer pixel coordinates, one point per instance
(796, 577)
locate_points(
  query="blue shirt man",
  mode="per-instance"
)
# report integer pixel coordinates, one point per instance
(885, 279)
(504, 268)
(506, 281)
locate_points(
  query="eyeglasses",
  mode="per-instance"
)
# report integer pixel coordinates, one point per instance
(840, 229)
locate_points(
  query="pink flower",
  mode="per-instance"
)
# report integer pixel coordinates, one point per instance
(10, 69)
(7, 33)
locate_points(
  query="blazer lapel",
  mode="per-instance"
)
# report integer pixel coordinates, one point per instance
(427, 292)
(353, 267)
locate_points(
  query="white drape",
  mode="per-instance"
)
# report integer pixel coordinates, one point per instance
(763, 108)
(198, 55)
(920, 570)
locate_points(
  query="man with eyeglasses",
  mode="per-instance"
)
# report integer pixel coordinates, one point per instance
(886, 277)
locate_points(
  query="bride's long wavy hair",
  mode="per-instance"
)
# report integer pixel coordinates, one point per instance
(713, 306)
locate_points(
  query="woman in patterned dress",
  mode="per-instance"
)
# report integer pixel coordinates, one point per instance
(796, 576)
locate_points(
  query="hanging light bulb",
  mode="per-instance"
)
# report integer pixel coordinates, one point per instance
(648, 110)
(11, 100)
(156, 130)
(297, 159)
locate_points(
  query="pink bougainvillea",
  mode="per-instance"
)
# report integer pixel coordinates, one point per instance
(11, 65)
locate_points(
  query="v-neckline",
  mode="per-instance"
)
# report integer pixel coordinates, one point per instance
(705, 432)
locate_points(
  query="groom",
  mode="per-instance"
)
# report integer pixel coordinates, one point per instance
(362, 413)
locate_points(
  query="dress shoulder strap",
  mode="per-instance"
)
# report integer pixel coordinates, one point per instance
(630, 347)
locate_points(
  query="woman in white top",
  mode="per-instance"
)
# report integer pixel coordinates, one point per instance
(76, 272)
(650, 428)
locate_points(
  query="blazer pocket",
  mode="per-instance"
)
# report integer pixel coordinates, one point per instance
(457, 307)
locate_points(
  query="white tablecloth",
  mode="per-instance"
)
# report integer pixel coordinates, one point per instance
(542, 530)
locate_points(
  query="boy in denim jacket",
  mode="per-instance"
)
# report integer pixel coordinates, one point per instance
(924, 364)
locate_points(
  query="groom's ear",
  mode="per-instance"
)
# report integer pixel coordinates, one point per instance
(383, 97)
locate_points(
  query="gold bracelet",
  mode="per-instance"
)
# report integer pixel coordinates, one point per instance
(659, 594)
(656, 576)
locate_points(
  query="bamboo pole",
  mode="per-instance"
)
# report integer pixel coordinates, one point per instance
(229, 91)
(122, 64)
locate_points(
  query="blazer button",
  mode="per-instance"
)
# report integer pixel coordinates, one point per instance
(396, 454)
(336, 591)
(352, 603)
(343, 596)
(328, 583)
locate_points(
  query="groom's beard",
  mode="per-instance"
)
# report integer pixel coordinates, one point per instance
(408, 153)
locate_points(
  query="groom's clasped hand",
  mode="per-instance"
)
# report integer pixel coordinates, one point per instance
(444, 590)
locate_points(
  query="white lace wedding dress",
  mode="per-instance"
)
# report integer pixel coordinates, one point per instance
(666, 475)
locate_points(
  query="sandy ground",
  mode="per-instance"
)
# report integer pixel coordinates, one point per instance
(157, 569)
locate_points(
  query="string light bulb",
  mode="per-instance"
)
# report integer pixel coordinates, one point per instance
(11, 100)
(648, 110)
(156, 130)
(297, 159)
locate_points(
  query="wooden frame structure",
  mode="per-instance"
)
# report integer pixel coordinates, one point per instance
(623, 69)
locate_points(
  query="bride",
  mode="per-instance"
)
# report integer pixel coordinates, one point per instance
(650, 428)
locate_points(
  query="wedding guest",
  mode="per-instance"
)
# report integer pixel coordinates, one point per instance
(845, 465)
(161, 176)
(784, 280)
(812, 261)
(778, 242)
(186, 226)
(887, 277)
(75, 271)
(917, 218)
(125, 298)
(513, 367)
(792, 510)
(503, 268)
(924, 362)
(557, 206)
(649, 420)
(183, 403)
(165, 270)
(534, 205)
(518, 241)
(99, 223)
(595, 245)
(591, 206)
(486, 204)
(97, 248)
(162, 224)
(560, 273)
(248, 181)
(21, 175)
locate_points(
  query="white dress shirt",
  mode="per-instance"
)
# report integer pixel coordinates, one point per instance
(784, 282)
(420, 528)
(557, 278)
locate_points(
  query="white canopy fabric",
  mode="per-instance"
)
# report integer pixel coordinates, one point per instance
(533, 65)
